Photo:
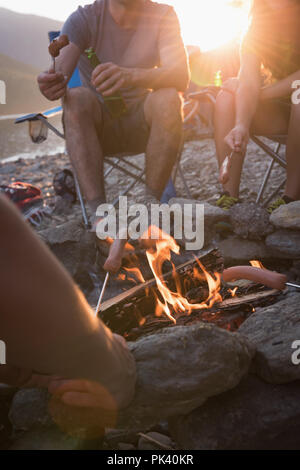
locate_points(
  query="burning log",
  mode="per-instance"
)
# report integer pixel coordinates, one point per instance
(129, 311)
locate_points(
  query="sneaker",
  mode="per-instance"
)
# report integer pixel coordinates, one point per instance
(279, 202)
(226, 202)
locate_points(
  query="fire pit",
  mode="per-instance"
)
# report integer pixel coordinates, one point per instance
(184, 295)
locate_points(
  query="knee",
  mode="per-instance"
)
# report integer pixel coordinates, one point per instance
(225, 102)
(166, 106)
(78, 103)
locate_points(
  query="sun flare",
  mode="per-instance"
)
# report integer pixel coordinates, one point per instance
(213, 23)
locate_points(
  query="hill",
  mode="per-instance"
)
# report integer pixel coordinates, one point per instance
(22, 93)
(24, 37)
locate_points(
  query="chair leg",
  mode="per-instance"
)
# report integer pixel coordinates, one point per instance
(184, 182)
(267, 176)
(82, 205)
(264, 183)
(274, 193)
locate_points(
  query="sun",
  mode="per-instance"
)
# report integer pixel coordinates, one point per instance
(211, 23)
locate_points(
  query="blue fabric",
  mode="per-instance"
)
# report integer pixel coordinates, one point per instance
(75, 80)
(169, 192)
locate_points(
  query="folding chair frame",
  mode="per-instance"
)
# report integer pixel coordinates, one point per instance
(114, 161)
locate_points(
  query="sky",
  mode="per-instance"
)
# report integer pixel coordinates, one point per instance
(205, 23)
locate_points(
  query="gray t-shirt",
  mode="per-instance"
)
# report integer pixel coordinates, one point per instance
(94, 26)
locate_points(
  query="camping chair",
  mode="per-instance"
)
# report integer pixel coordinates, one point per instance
(208, 95)
(38, 130)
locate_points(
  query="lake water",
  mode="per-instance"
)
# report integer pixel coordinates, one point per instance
(15, 141)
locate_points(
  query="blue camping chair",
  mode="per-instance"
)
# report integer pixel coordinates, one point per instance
(38, 130)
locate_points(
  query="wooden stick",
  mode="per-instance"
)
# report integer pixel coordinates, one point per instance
(102, 294)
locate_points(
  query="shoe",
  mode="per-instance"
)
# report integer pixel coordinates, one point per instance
(279, 202)
(226, 202)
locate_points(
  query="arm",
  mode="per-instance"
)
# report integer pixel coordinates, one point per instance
(247, 95)
(173, 71)
(281, 88)
(52, 84)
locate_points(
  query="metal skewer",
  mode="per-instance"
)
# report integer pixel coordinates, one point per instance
(102, 294)
(292, 285)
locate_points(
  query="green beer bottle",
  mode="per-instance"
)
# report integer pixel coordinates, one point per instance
(114, 104)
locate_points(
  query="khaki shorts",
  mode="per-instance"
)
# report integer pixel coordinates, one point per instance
(128, 134)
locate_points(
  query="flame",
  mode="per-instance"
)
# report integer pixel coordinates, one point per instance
(165, 244)
(233, 291)
(136, 273)
(257, 264)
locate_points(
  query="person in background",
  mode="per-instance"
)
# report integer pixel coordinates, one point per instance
(142, 55)
(246, 105)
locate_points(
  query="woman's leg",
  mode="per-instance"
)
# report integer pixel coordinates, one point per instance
(271, 118)
(292, 189)
(45, 321)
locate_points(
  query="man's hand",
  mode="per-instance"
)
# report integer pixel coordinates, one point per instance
(238, 139)
(52, 84)
(109, 78)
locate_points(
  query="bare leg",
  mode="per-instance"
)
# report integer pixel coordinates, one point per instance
(45, 321)
(83, 124)
(271, 118)
(163, 112)
(292, 189)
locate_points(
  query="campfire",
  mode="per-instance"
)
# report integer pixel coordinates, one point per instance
(182, 295)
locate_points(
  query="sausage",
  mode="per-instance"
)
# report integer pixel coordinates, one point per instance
(262, 276)
(225, 170)
(58, 44)
(114, 260)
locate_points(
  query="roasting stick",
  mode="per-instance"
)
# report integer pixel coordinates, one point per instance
(112, 265)
(102, 293)
(289, 284)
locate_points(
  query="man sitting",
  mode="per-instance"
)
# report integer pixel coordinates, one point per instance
(139, 45)
(272, 41)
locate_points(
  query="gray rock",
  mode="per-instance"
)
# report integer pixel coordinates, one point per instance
(7, 169)
(29, 408)
(253, 416)
(287, 216)
(145, 444)
(179, 368)
(71, 231)
(46, 439)
(273, 330)
(212, 214)
(284, 244)
(76, 250)
(236, 250)
(250, 221)
(125, 446)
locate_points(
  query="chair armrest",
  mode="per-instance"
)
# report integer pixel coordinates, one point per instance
(34, 116)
